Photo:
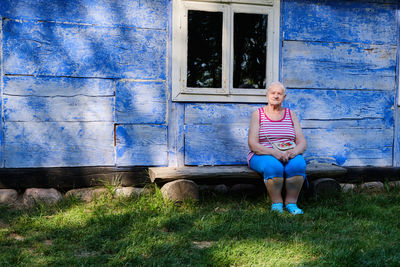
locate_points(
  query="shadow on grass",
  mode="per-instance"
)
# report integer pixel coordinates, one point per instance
(351, 229)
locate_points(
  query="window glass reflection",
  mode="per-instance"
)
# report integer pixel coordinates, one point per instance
(250, 46)
(204, 59)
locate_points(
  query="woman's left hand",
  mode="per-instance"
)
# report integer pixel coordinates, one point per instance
(291, 153)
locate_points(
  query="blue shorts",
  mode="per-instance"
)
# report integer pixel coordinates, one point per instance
(270, 167)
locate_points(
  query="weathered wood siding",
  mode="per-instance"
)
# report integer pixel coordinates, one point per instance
(216, 134)
(83, 83)
(396, 143)
(87, 83)
(339, 65)
(341, 58)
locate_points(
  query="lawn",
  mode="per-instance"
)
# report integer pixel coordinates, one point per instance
(350, 229)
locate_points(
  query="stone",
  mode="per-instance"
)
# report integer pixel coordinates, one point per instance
(180, 190)
(373, 187)
(347, 187)
(47, 196)
(247, 189)
(325, 186)
(205, 187)
(394, 184)
(221, 189)
(8, 196)
(87, 194)
(129, 191)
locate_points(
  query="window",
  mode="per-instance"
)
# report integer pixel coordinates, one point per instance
(224, 51)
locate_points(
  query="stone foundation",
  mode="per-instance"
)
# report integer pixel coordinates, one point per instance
(49, 196)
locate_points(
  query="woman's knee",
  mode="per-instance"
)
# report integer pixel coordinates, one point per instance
(273, 169)
(267, 165)
(296, 167)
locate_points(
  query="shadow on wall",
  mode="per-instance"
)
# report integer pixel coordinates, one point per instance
(62, 64)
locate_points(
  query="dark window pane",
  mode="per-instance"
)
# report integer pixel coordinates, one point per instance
(204, 62)
(250, 48)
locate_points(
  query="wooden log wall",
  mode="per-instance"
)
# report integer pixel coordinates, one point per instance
(396, 143)
(343, 54)
(339, 65)
(87, 83)
(84, 83)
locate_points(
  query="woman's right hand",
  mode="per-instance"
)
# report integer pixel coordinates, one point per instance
(281, 156)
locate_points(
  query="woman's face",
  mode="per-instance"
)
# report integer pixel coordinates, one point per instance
(275, 95)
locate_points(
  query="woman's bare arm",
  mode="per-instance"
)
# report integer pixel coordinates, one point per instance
(301, 143)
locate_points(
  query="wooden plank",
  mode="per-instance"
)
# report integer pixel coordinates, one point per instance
(176, 144)
(217, 133)
(220, 144)
(342, 108)
(340, 21)
(367, 123)
(211, 173)
(350, 147)
(338, 65)
(71, 177)
(396, 143)
(75, 108)
(226, 144)
(319, 170)
(76, 177)
(166, 174)
(215, 113)
(83, 51)
(1, 102)
(396, 139)
(341, 104)
(370, 174)
(1, 144)
(140, 102)
(57, 86)
(57, 144)
(176, 111)
(141, 145)
(316, 108)
(142, 14)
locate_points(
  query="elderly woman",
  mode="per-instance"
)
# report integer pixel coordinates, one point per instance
(270, 124)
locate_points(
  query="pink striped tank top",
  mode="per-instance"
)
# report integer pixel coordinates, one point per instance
(277, 131)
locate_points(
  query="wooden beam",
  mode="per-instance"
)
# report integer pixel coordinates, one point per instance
(72, 177)
(209, 173)
(213, 174)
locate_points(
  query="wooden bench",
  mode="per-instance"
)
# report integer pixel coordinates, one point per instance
(321, 176)
(220, 174)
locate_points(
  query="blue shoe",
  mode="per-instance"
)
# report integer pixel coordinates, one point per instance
(293, 209)
(278, 207)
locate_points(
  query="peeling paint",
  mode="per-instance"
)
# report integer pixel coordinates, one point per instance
(85, 83)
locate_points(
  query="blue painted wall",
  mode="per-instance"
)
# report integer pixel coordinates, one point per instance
(84, 83)
(342, 54)
(87, 83)
(339, 64)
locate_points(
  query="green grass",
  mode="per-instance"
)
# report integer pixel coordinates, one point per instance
(352, 229)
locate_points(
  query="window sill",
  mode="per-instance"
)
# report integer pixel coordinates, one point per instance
(220, 98)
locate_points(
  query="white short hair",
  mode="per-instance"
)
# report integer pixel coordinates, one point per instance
(277, 84)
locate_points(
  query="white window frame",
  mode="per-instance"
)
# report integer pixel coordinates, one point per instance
(227, 93)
